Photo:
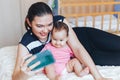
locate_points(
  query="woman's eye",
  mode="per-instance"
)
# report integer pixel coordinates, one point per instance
(50, 24)
(40, 26)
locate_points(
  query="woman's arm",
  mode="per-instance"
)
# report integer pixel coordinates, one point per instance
(17, 73)
(82, 54)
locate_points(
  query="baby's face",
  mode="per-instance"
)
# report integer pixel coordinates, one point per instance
(59, 38)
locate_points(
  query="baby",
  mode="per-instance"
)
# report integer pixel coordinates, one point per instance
(64, 57)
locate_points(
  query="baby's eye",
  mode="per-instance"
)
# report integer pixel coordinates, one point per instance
(61, 40)
(54, 39)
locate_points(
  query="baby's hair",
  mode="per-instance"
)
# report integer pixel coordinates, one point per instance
(58, 26)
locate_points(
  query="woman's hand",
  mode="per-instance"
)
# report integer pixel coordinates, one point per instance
(24, 65)
(21, 69)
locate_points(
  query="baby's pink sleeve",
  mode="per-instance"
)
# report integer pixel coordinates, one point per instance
(45, 47)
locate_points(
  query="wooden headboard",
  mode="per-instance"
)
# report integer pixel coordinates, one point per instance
(85, 6)
(78, 8)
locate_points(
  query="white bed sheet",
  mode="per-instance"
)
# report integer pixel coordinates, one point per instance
(98, 20)
(7, 62)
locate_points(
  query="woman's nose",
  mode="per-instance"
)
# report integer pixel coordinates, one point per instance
(45, 29)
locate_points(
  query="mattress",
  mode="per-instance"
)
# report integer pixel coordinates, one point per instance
(7, 62)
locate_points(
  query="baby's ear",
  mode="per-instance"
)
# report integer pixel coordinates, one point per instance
(67, 38)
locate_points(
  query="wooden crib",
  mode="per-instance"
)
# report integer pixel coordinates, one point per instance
(99, 14)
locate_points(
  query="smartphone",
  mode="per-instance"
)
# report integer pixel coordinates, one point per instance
(45, 58)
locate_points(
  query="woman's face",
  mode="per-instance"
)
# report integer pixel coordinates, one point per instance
(41, 26)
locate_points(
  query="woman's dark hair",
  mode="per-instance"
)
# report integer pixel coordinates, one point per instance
(58, 26)
(37, 9)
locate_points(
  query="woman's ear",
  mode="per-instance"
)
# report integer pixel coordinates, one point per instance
(28, 22)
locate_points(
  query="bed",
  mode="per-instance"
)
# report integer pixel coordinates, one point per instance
(101, 14)
(7, 62)
(91, 13)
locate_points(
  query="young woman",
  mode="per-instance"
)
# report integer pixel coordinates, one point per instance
(39, 23)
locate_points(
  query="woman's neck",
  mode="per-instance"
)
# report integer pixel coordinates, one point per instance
(43, 40)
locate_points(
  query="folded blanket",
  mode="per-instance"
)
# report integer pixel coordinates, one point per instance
(7, 62)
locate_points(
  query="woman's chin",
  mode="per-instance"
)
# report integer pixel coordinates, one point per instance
(43, 37)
